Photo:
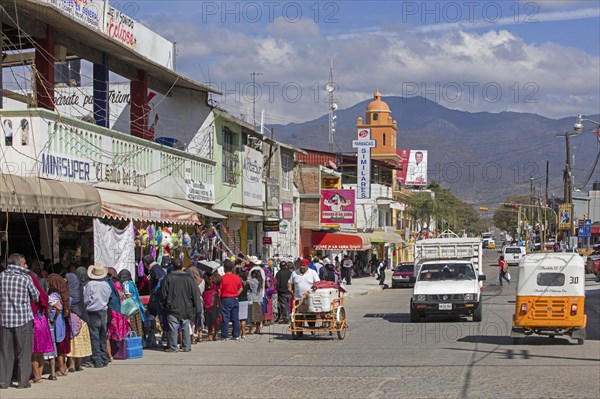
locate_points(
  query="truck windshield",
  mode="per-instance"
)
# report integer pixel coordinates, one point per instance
(446, 271)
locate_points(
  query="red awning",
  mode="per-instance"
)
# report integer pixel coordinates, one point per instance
(340, 241)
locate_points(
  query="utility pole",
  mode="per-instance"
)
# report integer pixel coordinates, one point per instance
(568, 181)
(254, 75)
(547, 179)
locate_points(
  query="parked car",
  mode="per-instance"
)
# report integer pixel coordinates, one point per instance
(592, 265)
(404, 275)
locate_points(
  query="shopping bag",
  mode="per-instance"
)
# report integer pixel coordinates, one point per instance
(507, 276)
(129, 307)
(133, 345)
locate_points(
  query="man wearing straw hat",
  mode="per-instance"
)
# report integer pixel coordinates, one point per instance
(96, 295)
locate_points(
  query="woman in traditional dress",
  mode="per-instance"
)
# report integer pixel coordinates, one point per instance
(81, 345)
(212, 305)
(59, 301)
(42, 338)
(118, 327)
(256, 297)
(129, 288)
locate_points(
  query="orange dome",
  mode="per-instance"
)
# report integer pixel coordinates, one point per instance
(377, 104)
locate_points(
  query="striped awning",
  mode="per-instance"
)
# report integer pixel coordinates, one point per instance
(146, 208)
(34, 195)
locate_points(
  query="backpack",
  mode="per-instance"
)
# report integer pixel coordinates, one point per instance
(505, 267)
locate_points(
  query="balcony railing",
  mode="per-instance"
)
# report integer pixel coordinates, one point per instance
(50, 146)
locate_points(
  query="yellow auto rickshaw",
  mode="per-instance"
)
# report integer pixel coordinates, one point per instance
(550, 296)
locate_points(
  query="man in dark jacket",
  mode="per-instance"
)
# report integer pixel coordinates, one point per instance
(179, 300)
(283, 295)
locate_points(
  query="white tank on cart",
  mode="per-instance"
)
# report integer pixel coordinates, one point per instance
(320, 300)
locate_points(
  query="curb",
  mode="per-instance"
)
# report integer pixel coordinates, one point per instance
(365, 292)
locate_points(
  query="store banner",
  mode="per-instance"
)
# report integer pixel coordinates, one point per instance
(337, 206)
(114, 247)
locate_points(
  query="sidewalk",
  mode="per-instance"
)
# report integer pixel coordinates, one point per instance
(362, 286)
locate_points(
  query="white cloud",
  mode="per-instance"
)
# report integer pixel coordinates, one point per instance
(459, 69)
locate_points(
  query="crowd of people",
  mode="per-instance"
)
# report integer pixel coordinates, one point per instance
(63, 320)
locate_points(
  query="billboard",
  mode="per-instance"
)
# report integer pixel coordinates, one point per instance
(414, 167)
(565, 214)
(337, 206)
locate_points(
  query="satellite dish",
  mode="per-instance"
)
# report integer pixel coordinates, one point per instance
(334, 106)
(329, 87)
(234, 223)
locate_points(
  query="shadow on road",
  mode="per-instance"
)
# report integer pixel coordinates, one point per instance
(405, 318)
(507, 340)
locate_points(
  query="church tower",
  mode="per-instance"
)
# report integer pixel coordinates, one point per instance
(378, 118)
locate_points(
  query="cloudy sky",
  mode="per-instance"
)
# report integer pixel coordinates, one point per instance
(538, 56)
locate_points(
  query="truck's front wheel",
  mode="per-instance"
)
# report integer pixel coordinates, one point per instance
(478, 312)
(415, 316)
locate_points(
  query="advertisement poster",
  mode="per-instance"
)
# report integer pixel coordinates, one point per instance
(414, 167)
(564, 216)
(337, 206)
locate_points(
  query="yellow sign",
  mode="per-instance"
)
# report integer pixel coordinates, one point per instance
(565, 215)
(483, 208)
(331, 183)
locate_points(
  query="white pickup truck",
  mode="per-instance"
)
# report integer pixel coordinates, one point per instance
(449, 278)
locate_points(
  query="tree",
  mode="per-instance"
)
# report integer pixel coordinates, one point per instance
(422, 208)
(449, 211)
(507, 215)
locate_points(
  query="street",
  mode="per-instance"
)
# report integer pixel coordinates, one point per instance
(383, 355)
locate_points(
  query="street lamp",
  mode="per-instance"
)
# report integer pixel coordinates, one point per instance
(578, 125)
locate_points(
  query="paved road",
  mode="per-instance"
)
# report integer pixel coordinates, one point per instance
(383, 355)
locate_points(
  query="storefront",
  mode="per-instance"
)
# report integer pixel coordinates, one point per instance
(60, 222)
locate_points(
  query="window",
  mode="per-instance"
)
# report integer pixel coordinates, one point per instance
(230, 158)
(287, 169)
(375, 116)
(384, 139)
(551, 279)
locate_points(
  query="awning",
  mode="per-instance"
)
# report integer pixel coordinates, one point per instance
(196, 208)
(378, 237)
(35, 195)
(142, 207)
(340, 241)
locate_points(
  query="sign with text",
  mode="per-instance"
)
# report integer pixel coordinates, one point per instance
(88, 12)
(267, 240)
(565, 212)
(337, 206)
(363, 162)
(252, 171)
(270, 225)
(331, 182)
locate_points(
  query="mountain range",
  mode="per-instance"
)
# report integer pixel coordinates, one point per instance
(482, 157)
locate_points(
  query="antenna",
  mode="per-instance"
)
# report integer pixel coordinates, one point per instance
(254, 75)
(330, 88)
